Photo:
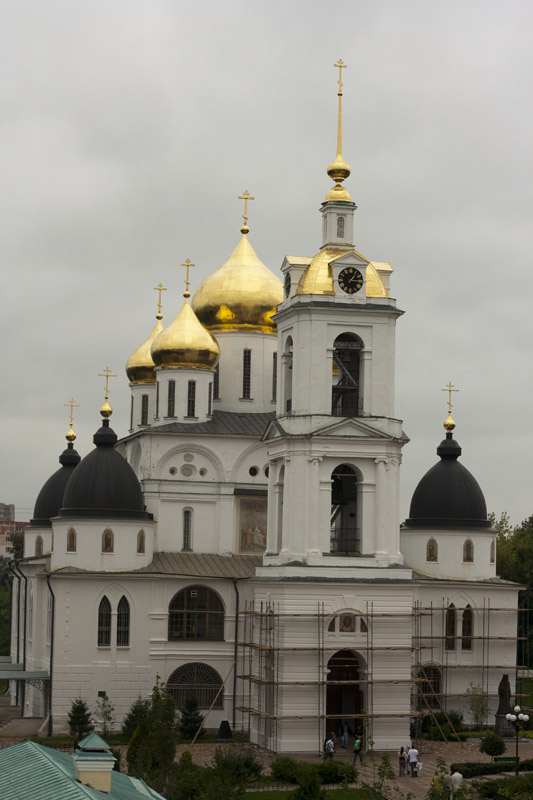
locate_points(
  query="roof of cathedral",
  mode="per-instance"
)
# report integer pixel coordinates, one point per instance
(223, 423)
(448, 496)
(418, 575)
(194, 565)
(104, 484)
(50, 498)
(318, 277)
(185, 342)
(242, 294)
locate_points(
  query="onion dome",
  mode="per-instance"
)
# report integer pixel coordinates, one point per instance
(104, 484)
(318, 277)
(140, 367)
(50, 498)
(242, 294)
(185, 343)
(448, 496)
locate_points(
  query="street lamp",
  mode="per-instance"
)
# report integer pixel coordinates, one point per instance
(518, 721)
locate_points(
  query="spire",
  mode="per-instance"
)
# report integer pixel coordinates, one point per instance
(187, 264)
(71, 436)
(449, 422)
(106, 409)
(245, 196)
(339, 170)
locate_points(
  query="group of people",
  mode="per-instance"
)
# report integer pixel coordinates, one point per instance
(331, 739)
(409, 757)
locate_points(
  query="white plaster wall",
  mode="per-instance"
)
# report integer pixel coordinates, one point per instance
(203, 378)
(137, 391)
(262, 346)
(450, 544)
(89, 553)
(30, 537)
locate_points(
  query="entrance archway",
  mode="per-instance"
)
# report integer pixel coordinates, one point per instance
(344, 695)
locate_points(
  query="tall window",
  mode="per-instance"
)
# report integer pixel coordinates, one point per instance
(287, 375)
(246, 373)
(144, 409)
(123, 623)
(274, 375)
(432, 550)
(131, 413)
(493, 551)
(39, 546)
(140, 542)
(199, 680)
(429, 686)
(468, 628)
(191, 399)
(340, 227)
(157, 400)
(71, 540)
(210, 399)
(104, 623)
(196, 613)
(449, 641)
(347, 397)
(108, 544)
(468, 552)
(187, 529)
(171, 399)
(216, 382)
(345, 534)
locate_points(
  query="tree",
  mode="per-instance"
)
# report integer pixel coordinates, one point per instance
(105, 714)
(492, 745)
(139, 710)
(477, 703)
(190, 717)
(80, 722)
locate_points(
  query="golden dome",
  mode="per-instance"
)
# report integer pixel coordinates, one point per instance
(318, 277)
(140, 367)
(185, 342)
(241, 294)
(449, 423)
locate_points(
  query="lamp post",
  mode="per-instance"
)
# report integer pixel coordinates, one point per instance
(517, 720)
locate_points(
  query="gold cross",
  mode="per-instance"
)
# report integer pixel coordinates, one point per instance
(106, 374)
(341, 65)
(449, 388)
(159, 288)
(245, 196)
(72, 404)
(187, 265)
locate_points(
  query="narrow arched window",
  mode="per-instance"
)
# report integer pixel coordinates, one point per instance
(287, 375)
(340, 227)
(345, 533)
(144, 409)
(468, 628)
(449, 641)
(196, 613)
(468, 552)
(191, 398)
(123, 623)
(493, 551)
(187, 529)
(429, 687)
(140, 542)
(171, 399)
(71, 540)
(347, 397)
(39, 546)
(216, 383)
(274, 376)
(199, 681)
(246, 374)
(104, 623)
(432, 550)
(108, 545)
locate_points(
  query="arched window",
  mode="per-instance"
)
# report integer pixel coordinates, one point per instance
(123, 623)
(108, 545)
(429, 686)
(432, 550)
(347, 398)
(493, 551)
(196, 613)
(187, 529)
(30, 613)
(345, 536)
(199, 680)
(340, 227)
(468, 628)
(140, 542)
(104, 623)
(468, 552)
(39, 546)
(71, 540)
(287, 375)
(449, 641)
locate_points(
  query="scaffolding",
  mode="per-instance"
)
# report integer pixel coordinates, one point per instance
(262, 647)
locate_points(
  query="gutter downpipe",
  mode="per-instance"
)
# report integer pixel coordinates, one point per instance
(51, 667)
(23, 687)
(12, 568)
(235, 651)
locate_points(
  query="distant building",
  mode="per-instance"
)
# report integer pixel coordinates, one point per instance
(7, 512)
(7, 531)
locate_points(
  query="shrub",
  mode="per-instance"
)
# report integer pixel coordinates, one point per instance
(190, 717)
(335, 772)
(284, 769)
(492, 745)
(242, 764)
(471, 769)
(79, 719)
(139, 711)
(517, 788)
(224, 731)
(308, 784)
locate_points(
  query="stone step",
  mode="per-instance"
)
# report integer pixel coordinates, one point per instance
(23, 726)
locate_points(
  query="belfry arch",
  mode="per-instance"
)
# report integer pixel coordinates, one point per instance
(344, 693)
(346, 393)
(345, 528)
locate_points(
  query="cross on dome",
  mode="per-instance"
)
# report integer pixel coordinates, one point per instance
(245, 196)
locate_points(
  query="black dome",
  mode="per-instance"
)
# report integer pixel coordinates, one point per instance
(104, 484)
(448, 496)
(50, 498)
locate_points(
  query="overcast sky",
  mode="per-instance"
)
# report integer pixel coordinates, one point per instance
(129, 128)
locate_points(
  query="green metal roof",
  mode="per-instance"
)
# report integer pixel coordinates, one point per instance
(30, 771)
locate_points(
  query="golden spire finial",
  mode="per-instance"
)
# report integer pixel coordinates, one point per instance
(159, 288)
(71, 436)
(245, 196)
(106, 409)
(449, 423)
(188, 264)
(338, 170)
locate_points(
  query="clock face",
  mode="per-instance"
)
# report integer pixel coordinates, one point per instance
(287, 284)
(350, 280)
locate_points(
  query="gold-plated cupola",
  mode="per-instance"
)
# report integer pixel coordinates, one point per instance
(140, 367)
(185, 343)
(339, 170)
(242, 294)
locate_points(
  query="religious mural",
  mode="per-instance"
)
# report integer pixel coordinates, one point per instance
(252, 524)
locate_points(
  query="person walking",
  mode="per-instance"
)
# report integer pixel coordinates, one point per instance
(402, 758)
(357, 750)
(344, 734)
(329, 748)
(413, 761)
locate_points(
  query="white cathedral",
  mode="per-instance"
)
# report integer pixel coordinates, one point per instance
(243, 542)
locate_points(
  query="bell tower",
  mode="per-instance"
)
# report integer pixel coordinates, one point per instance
(335, 448)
